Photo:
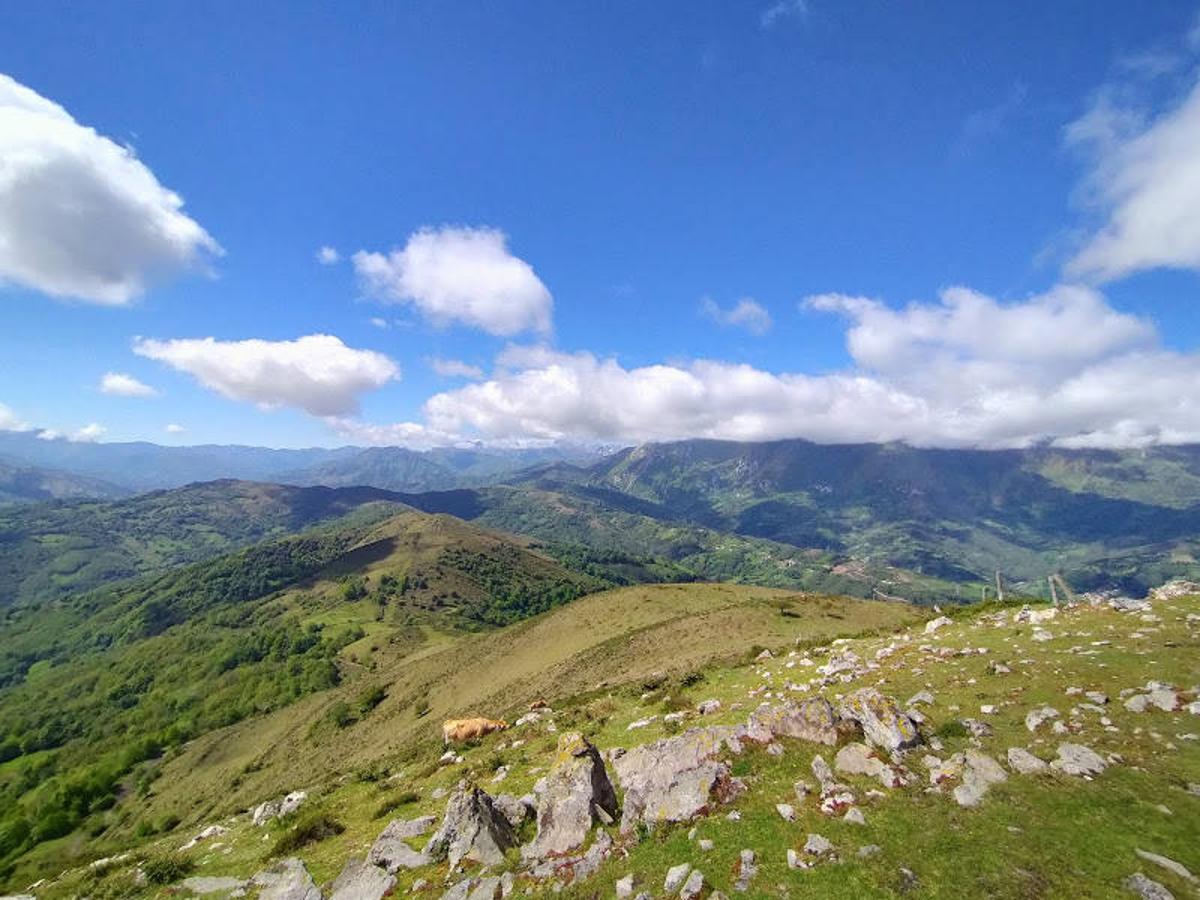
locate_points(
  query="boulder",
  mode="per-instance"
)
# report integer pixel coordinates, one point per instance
(816, 845)
(979, 772)
(472, 829)
(883, 724)
(273, 809)
(676, 876)
(487, 889)
(575, 868)
(516, 809)
(359, 880)
(573, 796)
(674, 779)
(693, 887)
(1023, 762)
(392, 853)
(1035, 718)
(858, 759)
(811, 720)
(1076, 759)
(940, 622)
(287, 879)
(1147, 888)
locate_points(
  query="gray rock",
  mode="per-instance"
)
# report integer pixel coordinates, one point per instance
(1146, 888)
(883, 724)
(207, 884)
(693, 887)
(1075, 759)
(391, 852)
(977, 728)
(708, 707)
(786, 812)
(1035, 718)
(287, 879)
(812, 720)
(574, 795)
(921, 697)
(816, 845)
(578, 867)
(460, 891)
(746, 871)
(516, 809)
(674, 779)
(868, 850)
(1023, 762)
(858, 759)
(854, 816)
(1167, 863)
(676, 876)
(624, 887)
(980, 772)
(508, 884)
(471, 829)
(359, 880)
(273, 809)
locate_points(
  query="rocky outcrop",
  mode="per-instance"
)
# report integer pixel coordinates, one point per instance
(858, 759)
(273, 809)
(883, 724)
(359, 880)
(390, 850)
(812, 720)
(674, 779)
(472, 829)
(287, 879)
(1078, 760)
(574, 795)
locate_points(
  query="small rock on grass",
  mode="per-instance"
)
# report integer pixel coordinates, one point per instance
(786, 811)
(693, 887)
(1076, 759)
(854, 816)
(817, 845)
(676, 875)
(1023, 762)
(1167, 863)
(624, 887)
(1147, 888)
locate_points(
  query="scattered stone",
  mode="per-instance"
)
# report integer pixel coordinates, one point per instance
(676, 876)
(390, 851)
(359, 880)
(274, 809)
(1146, 888)
(786, 812)
(854, 816)
(812, 720)
(1075, 759)
(1035, 718)
(1023, 762)
(471, 829)
(816, 845)
(624, 887)
(705, 844)
(920, 698)
(1167, 863)
(980, 772)
(693, 887)
(1098, 697)
(574, 795)
(287, 879)
(858, 759)
(793, 859)
(211, 831)
(708, 707)
(746, 871)
(940, 622)
(206, 884)
(883, 724)
(868, 850)
(976, 728)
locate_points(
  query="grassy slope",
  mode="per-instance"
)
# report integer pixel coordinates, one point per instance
(1034, 836)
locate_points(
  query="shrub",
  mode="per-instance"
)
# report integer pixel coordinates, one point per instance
(311, 828)
(167, 868)
(951, 729)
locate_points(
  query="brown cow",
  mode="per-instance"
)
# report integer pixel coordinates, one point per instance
(460, 730)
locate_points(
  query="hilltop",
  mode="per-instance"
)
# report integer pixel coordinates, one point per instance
(1007, 752)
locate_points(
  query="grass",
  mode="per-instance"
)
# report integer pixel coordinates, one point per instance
(1033, 836)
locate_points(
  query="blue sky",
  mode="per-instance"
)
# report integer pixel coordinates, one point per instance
(593, 191)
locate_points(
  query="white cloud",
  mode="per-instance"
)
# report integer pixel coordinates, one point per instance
(174, 428)
(747, 313)
(1145, 181)
(783, 9)
(463, 275)
(964, 371)
(80, 215)
(9, 420)
(454, 368)
(328, 256)
(379, 323)
(88, 433)
(123, 385)
(318, 373)
(49, 434)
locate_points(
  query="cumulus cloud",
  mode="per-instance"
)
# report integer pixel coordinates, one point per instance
(1144, 181)
(317, 373)
(174, 428)
(80, 215)
(965, 370)
(123, 385)
(460, 275)
(88, 433)
(454, 368)
(9, 420)
(328, 256)
(747, 313)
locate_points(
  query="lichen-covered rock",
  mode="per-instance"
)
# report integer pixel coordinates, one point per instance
(472, 829)
(674, 779)
(883, 724)
(1076, 759)
(1023, 762)
(516, 809)
(359, 880)
(287, 879)
(858, 759)
(979, 772)
(577, 867)
(572, 797)
(391, 852)
(811, 720)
